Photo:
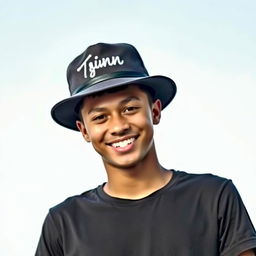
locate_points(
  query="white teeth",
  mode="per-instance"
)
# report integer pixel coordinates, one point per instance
(123, 143)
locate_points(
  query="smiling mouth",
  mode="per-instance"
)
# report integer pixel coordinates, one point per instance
(123, 143)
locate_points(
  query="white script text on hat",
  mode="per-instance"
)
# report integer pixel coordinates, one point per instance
(99, 63)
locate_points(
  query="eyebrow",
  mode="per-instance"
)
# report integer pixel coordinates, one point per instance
(122, 102)
(128, 99)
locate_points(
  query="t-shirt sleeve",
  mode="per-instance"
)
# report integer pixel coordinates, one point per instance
(236, 231)
(49, 242)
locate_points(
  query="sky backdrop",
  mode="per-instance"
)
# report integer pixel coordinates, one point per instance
(206, 47)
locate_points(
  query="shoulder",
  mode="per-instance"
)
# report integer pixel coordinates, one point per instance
(206, 185)
(72, 203)
(205, 179)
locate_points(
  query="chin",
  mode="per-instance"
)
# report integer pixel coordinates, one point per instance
(125, 164)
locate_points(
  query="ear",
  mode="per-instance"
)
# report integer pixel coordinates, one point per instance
(81, 127)
(156, 111)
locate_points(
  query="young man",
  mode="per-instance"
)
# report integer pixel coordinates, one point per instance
(143, 209)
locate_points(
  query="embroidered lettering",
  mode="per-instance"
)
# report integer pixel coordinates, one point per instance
(84, 66)
(99, 63)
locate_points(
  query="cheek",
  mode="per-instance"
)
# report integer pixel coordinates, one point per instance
(144, 122)
(147, 118)
(96, 133)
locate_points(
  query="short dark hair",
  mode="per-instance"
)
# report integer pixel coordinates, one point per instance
(149, 91)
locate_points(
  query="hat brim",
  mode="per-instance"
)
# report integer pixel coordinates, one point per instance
(64, 112)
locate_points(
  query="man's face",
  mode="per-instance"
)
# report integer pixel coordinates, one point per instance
(120, 125)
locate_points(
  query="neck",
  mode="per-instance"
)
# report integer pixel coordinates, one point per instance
(137, 181)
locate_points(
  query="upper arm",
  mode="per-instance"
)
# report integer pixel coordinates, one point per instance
(49, 242)
(236, 231)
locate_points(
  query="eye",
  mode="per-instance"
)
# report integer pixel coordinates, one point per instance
(131, 109)
(99, 118)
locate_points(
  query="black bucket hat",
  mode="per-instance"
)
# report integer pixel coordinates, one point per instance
(104, 66)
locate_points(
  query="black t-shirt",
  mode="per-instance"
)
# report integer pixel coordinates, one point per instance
(193, 215)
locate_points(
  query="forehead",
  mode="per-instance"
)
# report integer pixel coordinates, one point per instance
(109, 97)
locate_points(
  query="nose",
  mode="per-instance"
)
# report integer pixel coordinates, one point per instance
(119, 125)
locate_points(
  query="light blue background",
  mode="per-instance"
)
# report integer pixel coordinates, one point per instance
(206, 47)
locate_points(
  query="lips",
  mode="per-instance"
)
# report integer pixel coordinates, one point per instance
(123, 142)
